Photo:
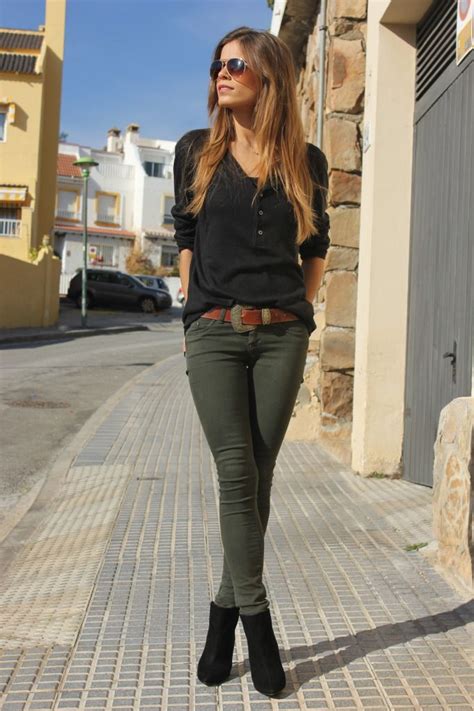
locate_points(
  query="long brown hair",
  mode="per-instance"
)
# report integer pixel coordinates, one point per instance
(277, 125)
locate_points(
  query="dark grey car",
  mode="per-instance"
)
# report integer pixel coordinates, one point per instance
(107, 287)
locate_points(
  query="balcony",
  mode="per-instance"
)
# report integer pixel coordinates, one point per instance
(9, 228)
(103, 219)
(68, 215)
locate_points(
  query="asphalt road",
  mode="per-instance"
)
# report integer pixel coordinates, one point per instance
(47, 392)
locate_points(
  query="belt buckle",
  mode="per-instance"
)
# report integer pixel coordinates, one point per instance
(236, 319)
(266, 316)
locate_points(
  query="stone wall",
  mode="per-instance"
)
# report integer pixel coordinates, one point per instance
(324, 406)
(453, 490)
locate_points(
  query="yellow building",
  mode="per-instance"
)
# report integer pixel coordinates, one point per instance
(30, 100)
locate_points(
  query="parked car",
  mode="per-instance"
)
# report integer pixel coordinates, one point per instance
(154, 282)
(109, 287)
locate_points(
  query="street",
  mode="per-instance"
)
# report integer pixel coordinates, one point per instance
(104, 603)
(49, 389)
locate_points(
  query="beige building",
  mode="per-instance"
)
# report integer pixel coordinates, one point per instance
(30, 99)
(388, 86)
(400, 168)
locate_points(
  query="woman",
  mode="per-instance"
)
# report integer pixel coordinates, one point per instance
(250, 195)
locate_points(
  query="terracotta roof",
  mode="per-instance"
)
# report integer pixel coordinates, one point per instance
(66, 167)
(104, 231)
(18, 63)
(20, 40)
(162, 233)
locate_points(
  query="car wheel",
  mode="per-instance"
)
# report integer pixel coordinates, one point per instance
(147, 305)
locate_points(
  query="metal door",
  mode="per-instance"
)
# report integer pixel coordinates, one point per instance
(440, 319)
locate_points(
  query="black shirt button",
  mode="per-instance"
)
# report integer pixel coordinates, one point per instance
(260, 232)
(260, 212)
(261, 194)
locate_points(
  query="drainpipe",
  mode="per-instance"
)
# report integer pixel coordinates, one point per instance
(322, 73)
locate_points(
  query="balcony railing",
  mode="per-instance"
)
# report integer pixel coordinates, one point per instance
(10, 228)
(68, 215)
(110, 219)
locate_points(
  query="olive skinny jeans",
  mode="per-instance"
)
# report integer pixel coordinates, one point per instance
(244, 387)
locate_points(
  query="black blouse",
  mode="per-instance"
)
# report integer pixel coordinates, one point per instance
(242, 253)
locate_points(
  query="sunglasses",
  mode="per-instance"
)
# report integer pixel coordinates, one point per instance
(235, 66)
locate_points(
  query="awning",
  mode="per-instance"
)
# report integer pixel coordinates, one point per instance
(11, 193)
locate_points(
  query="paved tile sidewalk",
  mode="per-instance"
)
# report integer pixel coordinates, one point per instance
(121, 621)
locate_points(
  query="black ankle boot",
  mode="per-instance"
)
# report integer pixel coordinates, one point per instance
(266, 669)
(216, 660)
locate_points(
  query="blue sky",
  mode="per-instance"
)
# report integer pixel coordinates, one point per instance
(137, 61)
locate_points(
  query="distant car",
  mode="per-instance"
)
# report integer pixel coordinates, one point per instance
(180, 296)
(109, 287)
(154, 282)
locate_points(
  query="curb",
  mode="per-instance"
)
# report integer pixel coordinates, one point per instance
(76, 333)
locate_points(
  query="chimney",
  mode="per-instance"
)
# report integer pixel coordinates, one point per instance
(113, 140)
(132, 133)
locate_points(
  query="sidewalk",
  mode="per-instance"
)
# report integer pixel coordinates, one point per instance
(99, 322)
(105, 605)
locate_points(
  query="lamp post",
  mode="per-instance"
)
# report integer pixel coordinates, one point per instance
(85, 164)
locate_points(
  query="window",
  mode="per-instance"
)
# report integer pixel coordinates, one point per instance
(102, 254)
(168, 217)
(168, 256)
(125, 280)
(148, 281)
(3, 124)
(68, 205)
(121, 279)
(10, 221)
(154, 170)
(107, 208)
(97, 276)
(102, 277)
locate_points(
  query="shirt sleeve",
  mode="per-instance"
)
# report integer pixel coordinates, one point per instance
(317, 245)
(183, 173)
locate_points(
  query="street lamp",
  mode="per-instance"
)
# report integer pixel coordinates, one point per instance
(85, 164)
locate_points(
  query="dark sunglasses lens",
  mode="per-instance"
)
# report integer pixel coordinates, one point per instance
(236, 66)
(215, 68)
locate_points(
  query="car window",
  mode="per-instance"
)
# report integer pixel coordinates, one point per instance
(113, 278)
(124, 280)
(98, 276)
(148, 281)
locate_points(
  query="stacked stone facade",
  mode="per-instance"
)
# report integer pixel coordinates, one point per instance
(324, 407)
(453, 492)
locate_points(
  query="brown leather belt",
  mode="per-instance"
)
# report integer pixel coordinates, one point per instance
(244, 318)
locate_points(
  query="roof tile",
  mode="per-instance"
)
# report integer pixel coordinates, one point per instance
(17, 63)
(66, 167)
(20, 40)
(95, 230)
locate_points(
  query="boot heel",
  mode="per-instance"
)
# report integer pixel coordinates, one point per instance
(266, 668)
(216, 660)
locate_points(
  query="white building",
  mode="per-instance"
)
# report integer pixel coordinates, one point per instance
(130, 195)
